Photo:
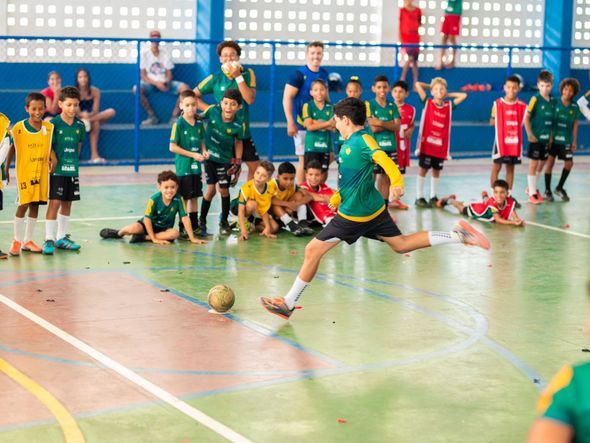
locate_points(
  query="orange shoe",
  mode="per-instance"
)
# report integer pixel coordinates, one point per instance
(15, 248)
(471, 236)
(30, 246)
(397, 204)
(534, 200)
(276, 306)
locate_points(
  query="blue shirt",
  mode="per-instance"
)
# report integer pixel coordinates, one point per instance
(301, 79)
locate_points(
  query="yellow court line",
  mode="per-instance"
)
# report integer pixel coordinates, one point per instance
(69, 427)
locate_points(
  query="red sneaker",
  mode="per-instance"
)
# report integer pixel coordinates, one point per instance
(534, 200)
(471, 236)
(276, 306)
(30, 246)
(397, 204)
(15, 248)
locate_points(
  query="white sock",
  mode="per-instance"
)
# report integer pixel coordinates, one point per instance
(19, 228)
(302, 212)
(433, 186)
(31, 222)
(50, 226)
(286, 219)
(62, 225)
(420, 187)
(436, 238)
(295, 292)
(532, 182)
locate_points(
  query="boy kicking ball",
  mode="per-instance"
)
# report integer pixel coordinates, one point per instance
(157, 225)
(361, 209)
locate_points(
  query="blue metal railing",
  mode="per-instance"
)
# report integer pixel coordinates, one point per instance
(509, 51)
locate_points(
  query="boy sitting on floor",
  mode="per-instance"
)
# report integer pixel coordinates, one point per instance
(320, 193)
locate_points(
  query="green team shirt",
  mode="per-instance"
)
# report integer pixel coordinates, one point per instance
(318, 141)
(454, 7)
(564, 118)
(541, 112)
(385, 139)
(360, 198)
(164, 216)
(65, 144)
(567, 400)
(217, 84)
(220, 136)
(188, 137)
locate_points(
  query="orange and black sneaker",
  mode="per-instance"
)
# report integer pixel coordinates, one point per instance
(276, 306)
(471, 236)
(442, 202)
(3, 255)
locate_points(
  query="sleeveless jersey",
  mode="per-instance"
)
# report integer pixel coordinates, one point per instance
(435, 130)
(408, 114)
(32, 161)
(485, 211)
(509, 119)
(321, 211)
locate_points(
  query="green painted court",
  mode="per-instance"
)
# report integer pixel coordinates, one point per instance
(446, 344)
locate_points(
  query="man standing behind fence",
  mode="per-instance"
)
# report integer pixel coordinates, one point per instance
(297, 93)
(156, 75)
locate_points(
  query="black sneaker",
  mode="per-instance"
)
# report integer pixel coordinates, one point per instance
(138, 238)
(562, 194)
(224, 228)
(109, 233)
(183, 235)
(548, 195)
(305, 227)
(202, 229)
(433, 201)
(422, 203)
(517, 205)
(3, 255)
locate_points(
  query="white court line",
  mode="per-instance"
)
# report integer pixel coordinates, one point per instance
(156, 391)
(552, 228)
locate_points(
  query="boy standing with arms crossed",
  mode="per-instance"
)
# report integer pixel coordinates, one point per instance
(64, 184)
(223, 134)
(434, 139)
(538, 124)
(186, 142)
(34, 161)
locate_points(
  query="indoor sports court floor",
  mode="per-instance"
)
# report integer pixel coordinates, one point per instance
(448, 344)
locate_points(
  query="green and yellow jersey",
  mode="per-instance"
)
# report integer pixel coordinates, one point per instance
(220, 136)
(567, 400)
(318, 141)
(217, 84)
(359, 199)
(385, 139)
(541, 112)
(66, 144)
(263, 199)
(564, 118)
(164, 216)
(284, 194)
(188, 137)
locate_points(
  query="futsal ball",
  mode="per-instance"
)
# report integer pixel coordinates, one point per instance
(225, 67)
(221, 298)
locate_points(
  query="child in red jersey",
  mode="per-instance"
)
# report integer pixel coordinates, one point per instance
(434, 139)
(499, 208)
(320, 193)
(410, 19)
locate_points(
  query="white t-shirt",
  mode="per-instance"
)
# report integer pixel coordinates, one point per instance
(156, 66)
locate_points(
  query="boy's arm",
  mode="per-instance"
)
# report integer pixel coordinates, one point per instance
(9, 156)
(242, 221)
(391, 125)
(409, 131)
(52, 161)
(149, 227)
(188, 227)
(180, 151)
(396, 179)
(493, 115)
(458, 97)
(288, 96)
(574, 136)
(275, 201)
(317, 125)
(516, 221)
(248, 92)
(420, 89)
(4, 148)
(528, 128)
(266, 222)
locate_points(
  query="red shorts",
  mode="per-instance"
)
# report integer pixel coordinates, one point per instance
(451, 25)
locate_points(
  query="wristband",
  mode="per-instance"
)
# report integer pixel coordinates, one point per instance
(240, 79)
(236, 161)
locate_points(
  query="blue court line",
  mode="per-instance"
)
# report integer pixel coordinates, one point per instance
(518, 363)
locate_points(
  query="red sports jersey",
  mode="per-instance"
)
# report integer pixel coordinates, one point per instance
(487, 209)
(408, 113)
(321, 211)
(435, 130)
(509, 121)
(409, 25)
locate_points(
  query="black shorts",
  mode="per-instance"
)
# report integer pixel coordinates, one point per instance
(392, 155)
(427, 162)
(155, 228)
(538, 151)
(322, 157)
(249, 153)
(217, 173)
(562, 152)
(190, 186)
(508, 160)
(1, 198)
(350, 231)
(64, 188)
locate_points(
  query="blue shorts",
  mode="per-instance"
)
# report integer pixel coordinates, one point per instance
(148, 88)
